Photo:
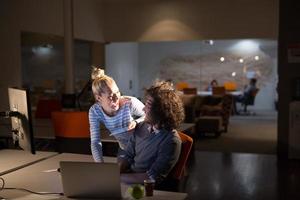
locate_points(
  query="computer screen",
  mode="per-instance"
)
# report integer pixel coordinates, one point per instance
(21, 122)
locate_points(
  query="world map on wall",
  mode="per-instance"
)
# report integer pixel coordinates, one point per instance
(199, 70)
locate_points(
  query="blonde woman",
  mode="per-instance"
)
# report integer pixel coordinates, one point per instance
(119, 114)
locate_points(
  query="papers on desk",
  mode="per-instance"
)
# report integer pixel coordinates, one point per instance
(51, 170)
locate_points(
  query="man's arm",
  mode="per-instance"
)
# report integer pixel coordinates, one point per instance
(127, 159)
(168, 155)
(124, 165)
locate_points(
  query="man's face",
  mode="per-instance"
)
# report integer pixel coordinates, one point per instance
(147, 109)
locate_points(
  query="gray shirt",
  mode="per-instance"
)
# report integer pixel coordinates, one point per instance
(153, 152)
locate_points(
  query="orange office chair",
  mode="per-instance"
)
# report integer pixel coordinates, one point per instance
(72, 132)
(177, 172)
(171, 183)
(230, 86)
(181, 85)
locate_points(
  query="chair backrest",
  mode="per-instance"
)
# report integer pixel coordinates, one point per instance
(189, 90)
(230, 86)
(249, 99)
(178, 170)
(218, 90)
(71, 124)
(181, 85)
(188, 101)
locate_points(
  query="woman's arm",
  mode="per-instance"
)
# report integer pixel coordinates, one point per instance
(96, 145)
(137, 109)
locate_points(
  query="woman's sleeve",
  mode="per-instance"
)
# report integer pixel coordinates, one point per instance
(137, 110)
(96, 145)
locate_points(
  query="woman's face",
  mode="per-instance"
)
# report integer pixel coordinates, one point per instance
(110, 99)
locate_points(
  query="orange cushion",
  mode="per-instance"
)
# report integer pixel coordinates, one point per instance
(230, 86)
(71, 124)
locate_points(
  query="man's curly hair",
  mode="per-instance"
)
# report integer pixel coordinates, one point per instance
(166, 109)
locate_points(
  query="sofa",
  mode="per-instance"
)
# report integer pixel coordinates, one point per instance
(209, 113)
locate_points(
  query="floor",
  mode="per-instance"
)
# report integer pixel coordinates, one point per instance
(242, 164)
(216, 175)
(247, 134)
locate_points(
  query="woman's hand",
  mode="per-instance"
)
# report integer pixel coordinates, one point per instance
(132, 125)
(124, 100)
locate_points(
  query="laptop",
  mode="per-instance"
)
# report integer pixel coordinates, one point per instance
(90, 180)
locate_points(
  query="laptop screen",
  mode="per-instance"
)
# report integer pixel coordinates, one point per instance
(90, 179)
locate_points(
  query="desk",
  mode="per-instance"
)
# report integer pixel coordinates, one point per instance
(204, 93)
(11, 160)
(35, 177)
(209, 93)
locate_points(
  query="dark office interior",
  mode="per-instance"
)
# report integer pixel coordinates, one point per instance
(121, 36)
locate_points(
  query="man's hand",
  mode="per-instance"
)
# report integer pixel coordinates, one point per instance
(124, 165)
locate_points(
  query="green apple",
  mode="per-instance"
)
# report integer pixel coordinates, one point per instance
(136, 191)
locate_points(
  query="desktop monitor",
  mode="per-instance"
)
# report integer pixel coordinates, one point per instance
(21, 122)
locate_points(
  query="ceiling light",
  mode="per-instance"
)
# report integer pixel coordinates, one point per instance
(256, 57)
(241, 60)
(222, 59)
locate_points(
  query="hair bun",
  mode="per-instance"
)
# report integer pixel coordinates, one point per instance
(97, 72)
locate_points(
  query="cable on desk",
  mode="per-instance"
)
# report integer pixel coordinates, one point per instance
(30, 191)
(3, 182)
(26, 190)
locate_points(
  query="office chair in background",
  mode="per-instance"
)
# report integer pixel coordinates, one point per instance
(249, 100)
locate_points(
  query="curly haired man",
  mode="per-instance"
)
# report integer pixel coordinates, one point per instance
(154, 148)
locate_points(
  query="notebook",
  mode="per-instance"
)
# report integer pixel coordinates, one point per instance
(90, 179)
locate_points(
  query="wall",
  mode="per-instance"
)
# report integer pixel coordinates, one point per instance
(289, 31)
(122, 65)
(155, 20)
(47, 64)
(44, 16)
(88, 20)
(197, 63)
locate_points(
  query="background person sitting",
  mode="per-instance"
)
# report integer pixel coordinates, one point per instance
(155, 146)
(248, 91)
(213, 83)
